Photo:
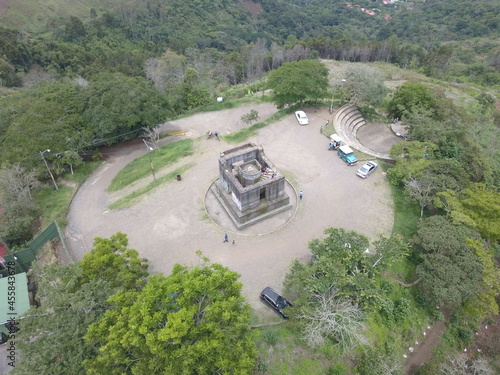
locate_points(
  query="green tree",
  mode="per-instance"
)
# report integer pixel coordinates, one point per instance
(66, 309)
(412, 159)
(485, 302)
(343, 260)
(72, 159)
(250, 117)
(450, 270)
(39, 118)
(111, 260)
(114, 104)
(8, 76)
(20, 211)
(408, 96)
(298, 82)
(191, 93)
(18, 221)
(193, 321)
(477, 207)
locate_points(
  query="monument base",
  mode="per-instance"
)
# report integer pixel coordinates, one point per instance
(246, 218)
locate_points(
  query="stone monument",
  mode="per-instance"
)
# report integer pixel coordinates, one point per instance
(250, 188)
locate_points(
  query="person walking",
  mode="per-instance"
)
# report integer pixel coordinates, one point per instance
(234, 242)
(301, 194)
(226, 238)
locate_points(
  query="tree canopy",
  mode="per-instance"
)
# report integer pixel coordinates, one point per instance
(298, 82)
(67, 308)
(72, 116)
(113, 261)
(409, 96)
(450, 270)
(193, 321)
(363, 86)
(477, 207)
(344, 260)
(71, 298)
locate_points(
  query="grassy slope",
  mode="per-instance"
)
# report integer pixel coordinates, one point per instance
(33, 15)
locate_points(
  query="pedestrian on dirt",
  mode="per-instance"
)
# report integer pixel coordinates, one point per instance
(234, 243)
(217, 136)
(226, 238)
(301, 194)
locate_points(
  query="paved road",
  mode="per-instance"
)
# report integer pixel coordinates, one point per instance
(171, 224)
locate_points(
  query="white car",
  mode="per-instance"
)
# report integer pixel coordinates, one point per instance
(302, 117)
(367, 169)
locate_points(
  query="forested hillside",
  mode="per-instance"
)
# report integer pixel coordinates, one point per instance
(428, 35)
(75, 76)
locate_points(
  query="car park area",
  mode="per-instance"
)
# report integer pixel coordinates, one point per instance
(168, 231)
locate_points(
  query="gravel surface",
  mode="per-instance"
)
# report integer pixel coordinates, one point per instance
(170, 224)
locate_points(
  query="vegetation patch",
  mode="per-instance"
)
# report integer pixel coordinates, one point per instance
(281, 351)
(54, 204)
(132, 198)
(246, 133)
(406, 215)
(140, 167)
(225, 104)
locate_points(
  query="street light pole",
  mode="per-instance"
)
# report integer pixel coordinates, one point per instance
(150, 159)
(45, 161)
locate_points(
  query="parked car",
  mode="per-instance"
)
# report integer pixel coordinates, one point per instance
(347, 155)
(274, 300)
(335, 142)
(302, 117)
(367, 169)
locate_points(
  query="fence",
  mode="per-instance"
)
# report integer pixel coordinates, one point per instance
(23, 259)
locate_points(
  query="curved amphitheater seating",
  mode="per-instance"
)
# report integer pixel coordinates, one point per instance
(347, 121)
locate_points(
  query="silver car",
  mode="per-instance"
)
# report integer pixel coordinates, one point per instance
(367, 169)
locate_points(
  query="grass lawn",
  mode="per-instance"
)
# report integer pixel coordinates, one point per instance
(140, 168)
(246, 133)
(54, 204)
(132, 198)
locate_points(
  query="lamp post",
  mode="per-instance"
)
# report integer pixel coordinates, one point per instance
(150, 159)
(45, 161)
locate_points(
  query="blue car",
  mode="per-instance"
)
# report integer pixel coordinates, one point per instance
(347, 155)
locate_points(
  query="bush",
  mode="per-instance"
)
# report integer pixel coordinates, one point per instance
(437, 315)
(270, 336)
(337, 369)
(401, 309)
(18, 221)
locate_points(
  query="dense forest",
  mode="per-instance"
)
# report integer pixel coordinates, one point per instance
(190, 53)
(75, 78)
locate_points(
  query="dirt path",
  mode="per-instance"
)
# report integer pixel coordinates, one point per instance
(169, 225)
(4, 5)
(423, 352)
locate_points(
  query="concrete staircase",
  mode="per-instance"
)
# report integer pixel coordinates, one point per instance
(347, 121)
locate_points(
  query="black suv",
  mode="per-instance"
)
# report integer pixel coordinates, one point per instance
(275, 301)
